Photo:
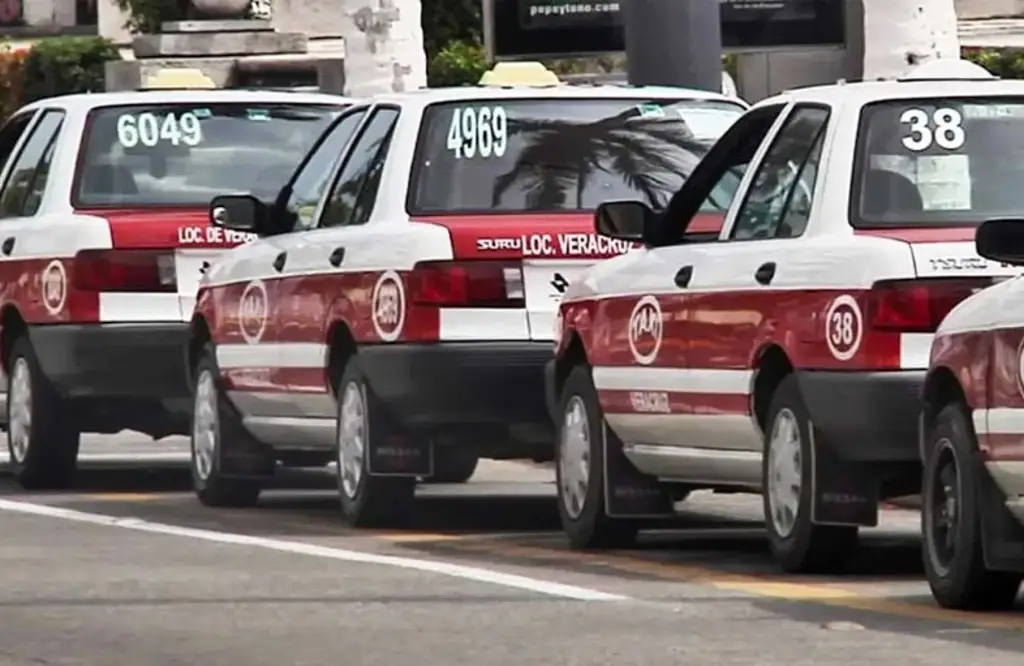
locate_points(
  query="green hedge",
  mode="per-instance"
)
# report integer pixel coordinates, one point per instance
(65, 65)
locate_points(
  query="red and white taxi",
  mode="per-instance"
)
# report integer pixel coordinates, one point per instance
(972, 442)
(103, 235)
(787, 355)
(401, 322)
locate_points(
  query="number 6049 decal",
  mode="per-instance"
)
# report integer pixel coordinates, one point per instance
(148, 129)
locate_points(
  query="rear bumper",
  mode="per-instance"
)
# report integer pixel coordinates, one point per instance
(114, 361)
(460, 383)
(866, 416)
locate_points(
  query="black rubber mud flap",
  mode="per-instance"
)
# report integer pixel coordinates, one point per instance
(844, 492)
(629, 493)
(1002, 535)
(400, 455)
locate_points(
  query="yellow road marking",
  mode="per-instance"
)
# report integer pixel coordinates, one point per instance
(838, 595)
(123, 497)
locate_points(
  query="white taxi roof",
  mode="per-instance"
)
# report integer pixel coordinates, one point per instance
(427, 96)
(85, 102)
(926, 81)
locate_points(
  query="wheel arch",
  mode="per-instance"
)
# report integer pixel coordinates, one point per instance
(12, 326)
(198, 336)
(572, 353)
(341, 346)
(771, 365)
(941, 388)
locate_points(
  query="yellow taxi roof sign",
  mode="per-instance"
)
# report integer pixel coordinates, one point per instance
(519, 74)
(179, 78)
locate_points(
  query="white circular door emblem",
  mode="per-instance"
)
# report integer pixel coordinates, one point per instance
(844, 327)
(55, 287)
(645, 330)
(387, 304)
(252, 312)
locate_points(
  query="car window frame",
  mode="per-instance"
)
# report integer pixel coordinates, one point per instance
(685, 204)
(54, 136)
(284, 197)
(31, 116)
(349, 151)
(758, 164)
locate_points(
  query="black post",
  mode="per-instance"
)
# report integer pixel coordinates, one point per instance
(673, 43)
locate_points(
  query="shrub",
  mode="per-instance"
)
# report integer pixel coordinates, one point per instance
(12, 65)
(458, 63)
(1004, 63)
(65, 65)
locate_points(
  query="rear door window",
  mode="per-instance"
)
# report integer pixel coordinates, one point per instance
(22, 193)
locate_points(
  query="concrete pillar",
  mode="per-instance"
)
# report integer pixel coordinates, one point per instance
(673, 43)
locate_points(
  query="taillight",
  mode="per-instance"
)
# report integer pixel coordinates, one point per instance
(917, 306)
(477, 284)
(124, 270)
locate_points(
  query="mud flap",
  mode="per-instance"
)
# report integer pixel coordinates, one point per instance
(843, 492)
(629, 493)
(1003, 536)
(399, 455)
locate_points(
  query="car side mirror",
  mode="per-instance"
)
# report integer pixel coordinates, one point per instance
(1001, 240)
(240, 212)
(624, 220)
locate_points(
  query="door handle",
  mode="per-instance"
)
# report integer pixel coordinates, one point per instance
(337, 256)
(683, 276)
(279, 261)
(8, 245)
(765, 273)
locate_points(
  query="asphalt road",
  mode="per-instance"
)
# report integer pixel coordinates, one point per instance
(130, 570)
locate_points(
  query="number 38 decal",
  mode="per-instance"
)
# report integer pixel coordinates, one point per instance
(943, 128)
(478, 132)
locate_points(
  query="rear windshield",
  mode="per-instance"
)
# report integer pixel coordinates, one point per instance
(939, 161)
(560, 154)
(185, 154)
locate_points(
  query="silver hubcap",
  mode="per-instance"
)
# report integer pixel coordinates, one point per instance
(784, 472)
(19, 399)
(574, 457)
(351, 438)
(204, 426)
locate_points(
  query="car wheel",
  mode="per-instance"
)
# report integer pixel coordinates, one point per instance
(215, 421)
(366, 500)
(453, 466)
(954, 561)
(798, 545)
(41, 438)
(580, 471)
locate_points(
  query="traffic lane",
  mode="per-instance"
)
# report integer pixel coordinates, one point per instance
(719, 544)
(111, 594)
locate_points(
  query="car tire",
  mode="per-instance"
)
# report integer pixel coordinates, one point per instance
(41, 437)
(215, 421)
(453, 466)
(797, 544)
(366, 500)
(954, 560)
(580, 461)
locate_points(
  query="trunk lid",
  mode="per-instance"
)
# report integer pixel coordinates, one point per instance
(189, 239)
(553, 248)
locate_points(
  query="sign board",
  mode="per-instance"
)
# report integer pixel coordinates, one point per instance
(530, 29)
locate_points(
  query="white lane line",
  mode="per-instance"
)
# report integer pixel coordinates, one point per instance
(478, 574)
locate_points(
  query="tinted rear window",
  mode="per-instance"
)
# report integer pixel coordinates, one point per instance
(184, 154)
(560, 154)
(939, 161)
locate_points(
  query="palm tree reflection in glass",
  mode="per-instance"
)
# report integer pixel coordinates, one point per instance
(560, 159)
